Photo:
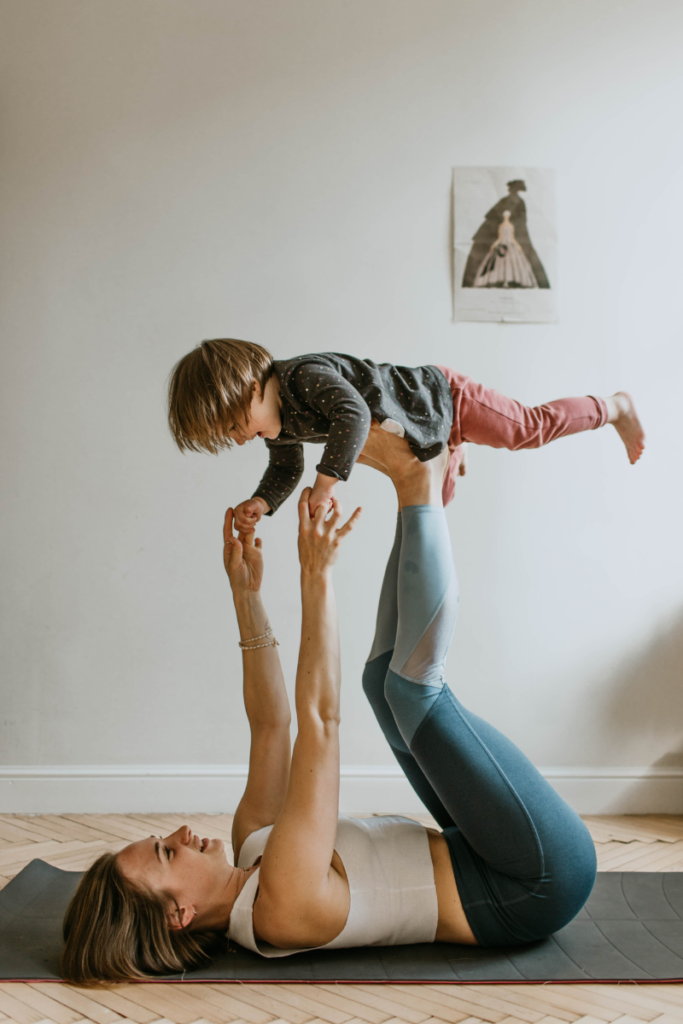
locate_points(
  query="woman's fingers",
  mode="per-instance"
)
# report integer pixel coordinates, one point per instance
(304, 510)
(321, 512)
(335, 516)
(232, 546)
(229, 540)
(332, 524)
(227, 524)
(351, 522)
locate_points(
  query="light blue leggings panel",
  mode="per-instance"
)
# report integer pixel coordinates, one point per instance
(427, 607)
(375, 676)
(523, 861)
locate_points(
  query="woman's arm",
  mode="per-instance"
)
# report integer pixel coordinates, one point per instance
(265, 697)
(301, 897)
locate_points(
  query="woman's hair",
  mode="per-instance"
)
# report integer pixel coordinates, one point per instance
(115, 930)
(211, 388)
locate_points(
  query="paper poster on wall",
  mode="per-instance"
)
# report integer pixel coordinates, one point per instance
(505, 242)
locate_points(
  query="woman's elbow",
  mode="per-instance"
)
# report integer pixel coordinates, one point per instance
(322, 720)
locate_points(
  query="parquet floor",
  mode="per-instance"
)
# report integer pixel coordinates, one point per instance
(72, 841)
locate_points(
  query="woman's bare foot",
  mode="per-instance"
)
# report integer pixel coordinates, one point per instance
(417, 483)
(365, 460)
(375, 450)
(624, 418)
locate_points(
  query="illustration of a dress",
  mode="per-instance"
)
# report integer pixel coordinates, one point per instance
(505, 265)
(487, 235)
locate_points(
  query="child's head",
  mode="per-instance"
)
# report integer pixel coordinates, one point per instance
(211, 389)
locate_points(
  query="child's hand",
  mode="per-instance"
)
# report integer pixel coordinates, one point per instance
(248, 513)
(322, 493)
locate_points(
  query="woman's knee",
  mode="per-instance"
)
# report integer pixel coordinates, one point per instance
(374, 674)
(410, 702)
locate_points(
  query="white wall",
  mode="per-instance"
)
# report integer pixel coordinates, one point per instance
(280, 171)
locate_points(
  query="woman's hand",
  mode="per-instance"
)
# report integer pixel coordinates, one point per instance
(319, 538)
(242, 558)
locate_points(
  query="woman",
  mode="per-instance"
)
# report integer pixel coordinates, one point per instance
(513, 862)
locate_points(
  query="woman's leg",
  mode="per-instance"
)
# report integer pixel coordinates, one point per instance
(374, 677)
(523, 860)
(484, 416)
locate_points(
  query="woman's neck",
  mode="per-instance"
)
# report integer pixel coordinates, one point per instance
(217, 918)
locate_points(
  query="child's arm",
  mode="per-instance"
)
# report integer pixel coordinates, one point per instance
(337, 400)
(323, 491)
(329, 393)
(284, 471)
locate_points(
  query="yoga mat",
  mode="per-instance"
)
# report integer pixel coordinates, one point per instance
(631, 929)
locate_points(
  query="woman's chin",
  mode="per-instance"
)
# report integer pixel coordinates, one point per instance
(216, 847)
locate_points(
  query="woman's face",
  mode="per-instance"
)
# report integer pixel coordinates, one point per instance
(193, 872)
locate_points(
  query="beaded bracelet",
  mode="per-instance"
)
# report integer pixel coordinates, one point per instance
(254, 647)
(271, 643)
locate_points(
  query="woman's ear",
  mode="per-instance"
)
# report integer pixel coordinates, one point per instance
(180, 917)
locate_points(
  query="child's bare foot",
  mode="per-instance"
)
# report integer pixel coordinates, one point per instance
(457, 466)
(462, 465)
(624, 418)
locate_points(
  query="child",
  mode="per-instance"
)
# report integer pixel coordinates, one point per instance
(228, 391)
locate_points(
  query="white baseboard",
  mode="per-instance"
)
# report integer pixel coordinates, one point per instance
(118, 789)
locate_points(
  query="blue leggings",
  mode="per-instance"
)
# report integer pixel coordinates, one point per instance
(524, 862)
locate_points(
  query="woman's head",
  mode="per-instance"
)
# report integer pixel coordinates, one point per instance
(154, 908)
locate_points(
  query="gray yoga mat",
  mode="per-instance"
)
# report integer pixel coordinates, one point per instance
(631, 929)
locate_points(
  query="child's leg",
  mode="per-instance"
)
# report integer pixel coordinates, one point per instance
(524, 862)
(484, 416)
(374, 676)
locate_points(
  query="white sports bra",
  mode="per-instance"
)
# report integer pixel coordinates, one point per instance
(391, 878)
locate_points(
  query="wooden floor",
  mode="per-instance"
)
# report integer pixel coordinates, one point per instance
(72, 841)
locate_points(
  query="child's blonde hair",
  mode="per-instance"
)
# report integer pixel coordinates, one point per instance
(211, 389)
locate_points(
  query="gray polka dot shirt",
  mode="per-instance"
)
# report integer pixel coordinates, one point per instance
(328, 398)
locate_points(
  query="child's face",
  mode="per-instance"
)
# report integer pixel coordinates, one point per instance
(264, 415)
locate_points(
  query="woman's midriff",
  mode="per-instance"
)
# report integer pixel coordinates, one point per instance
(452, 925)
